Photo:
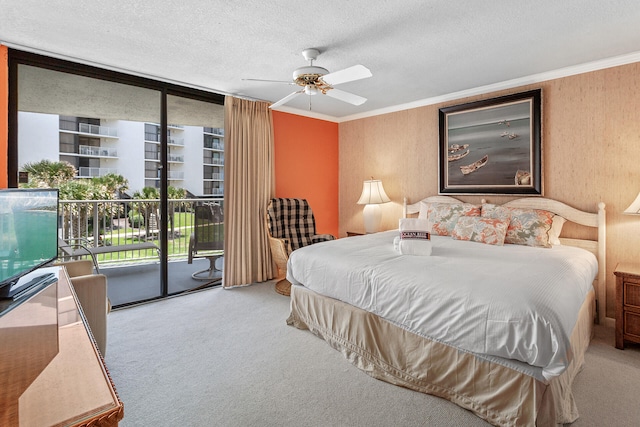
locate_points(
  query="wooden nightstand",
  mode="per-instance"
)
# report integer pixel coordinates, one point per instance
(627, 303)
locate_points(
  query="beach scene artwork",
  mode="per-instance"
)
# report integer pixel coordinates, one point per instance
(490, 146)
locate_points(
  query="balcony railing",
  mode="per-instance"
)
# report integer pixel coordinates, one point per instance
(122, 222)
(214, 131)
(175, 175)
(175, 158)
(217, 162)
(86, 172)
(219, 147)
(86, 150)
(97, 130)
(175, 141)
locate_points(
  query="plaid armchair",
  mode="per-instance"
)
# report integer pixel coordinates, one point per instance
(291, 225)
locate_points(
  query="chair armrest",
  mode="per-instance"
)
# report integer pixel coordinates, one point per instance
(79, 267)
(317, 238)
(92, 294)
(280, 251)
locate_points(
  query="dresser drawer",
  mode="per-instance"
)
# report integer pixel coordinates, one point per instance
(632, 294)
(632, 324)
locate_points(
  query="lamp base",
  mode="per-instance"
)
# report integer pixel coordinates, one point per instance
(372, 215)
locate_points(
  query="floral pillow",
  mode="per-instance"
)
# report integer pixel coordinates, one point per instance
(482, 230)
(529, 227)
(442, 217)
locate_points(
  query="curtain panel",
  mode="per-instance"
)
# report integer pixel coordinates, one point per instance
(248, 187)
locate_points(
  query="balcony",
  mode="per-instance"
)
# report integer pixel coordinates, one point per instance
(86, 172)
(214, 131)
(214, 147)
(86, 150)
(175, 175)
(98, 130)
(175, 158)
(213, 162)
(214, 177)
(135, 274)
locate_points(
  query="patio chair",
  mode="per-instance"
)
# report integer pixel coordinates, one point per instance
(207, 240)
(77, 248)
(291, 225)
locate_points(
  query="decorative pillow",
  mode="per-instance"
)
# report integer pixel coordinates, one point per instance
(482, 230)
(556, 229)
(443, 217)
(424, 209)
(529, 227)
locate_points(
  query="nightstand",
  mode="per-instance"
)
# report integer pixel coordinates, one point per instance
(354, 233)
(627, 303)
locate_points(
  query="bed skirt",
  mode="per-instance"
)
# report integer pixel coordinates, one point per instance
(498, 394)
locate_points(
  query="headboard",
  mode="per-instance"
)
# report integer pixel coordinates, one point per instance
(588, 219)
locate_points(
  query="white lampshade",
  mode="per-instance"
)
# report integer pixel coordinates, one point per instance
(634, 208)
(372, 195)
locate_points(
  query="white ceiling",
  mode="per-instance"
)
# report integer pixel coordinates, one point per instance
(418, 51)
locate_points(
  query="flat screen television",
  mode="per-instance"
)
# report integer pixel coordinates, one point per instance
(28, 233)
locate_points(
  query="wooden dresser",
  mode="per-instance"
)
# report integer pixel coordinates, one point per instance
(627, 303)
(53, 373)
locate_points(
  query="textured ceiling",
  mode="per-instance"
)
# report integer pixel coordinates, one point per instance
(417, 50)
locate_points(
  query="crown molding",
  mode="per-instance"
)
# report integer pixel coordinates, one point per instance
(509, 84)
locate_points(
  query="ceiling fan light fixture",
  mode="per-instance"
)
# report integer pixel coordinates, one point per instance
(311, 90)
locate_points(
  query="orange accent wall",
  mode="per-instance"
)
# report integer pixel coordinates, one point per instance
(306, 165)
(4, 115)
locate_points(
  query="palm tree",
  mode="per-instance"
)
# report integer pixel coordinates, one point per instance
(62, 175)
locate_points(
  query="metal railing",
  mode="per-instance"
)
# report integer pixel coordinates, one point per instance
(97, 130)
(87, 150)
(87, 172)
(125, 222)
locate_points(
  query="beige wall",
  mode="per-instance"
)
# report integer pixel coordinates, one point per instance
(591, 153)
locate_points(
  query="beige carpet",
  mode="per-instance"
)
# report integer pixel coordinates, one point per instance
(227, 358)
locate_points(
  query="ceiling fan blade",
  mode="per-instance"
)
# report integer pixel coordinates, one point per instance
(286, 99)
(350, 74)
(346, 96)
(270, 81)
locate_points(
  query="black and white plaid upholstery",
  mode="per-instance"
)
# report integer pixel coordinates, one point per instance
(293, 220)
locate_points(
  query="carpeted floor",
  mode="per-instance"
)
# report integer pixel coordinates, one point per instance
(227, 358)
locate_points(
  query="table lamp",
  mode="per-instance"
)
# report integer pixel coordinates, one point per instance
(372, 196)
(634, 208)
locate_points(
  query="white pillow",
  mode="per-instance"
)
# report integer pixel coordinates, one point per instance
(556, 229)
(424, 210)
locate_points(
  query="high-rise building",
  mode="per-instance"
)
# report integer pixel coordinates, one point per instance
(97, 147)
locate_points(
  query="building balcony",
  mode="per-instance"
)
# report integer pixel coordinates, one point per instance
(178, 142)
(175, 159)
(214, 131)
(214, 177)
(213, 162)
(215, 147)
(175, 175)
(87, 172)
(97, 130)
(86, 150)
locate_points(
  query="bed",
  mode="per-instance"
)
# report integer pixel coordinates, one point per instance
(448, 324)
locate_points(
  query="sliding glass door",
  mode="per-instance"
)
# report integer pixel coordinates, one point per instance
(195, 174)
(142, 156)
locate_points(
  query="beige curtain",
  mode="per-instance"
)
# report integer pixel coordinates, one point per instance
(248, 187)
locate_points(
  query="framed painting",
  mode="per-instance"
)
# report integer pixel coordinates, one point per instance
(492, 146)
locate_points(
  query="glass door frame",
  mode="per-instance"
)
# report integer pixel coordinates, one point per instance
(19, 57)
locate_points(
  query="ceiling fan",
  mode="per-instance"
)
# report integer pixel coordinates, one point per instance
(316, 80)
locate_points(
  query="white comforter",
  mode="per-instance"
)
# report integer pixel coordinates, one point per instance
(511, 301)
